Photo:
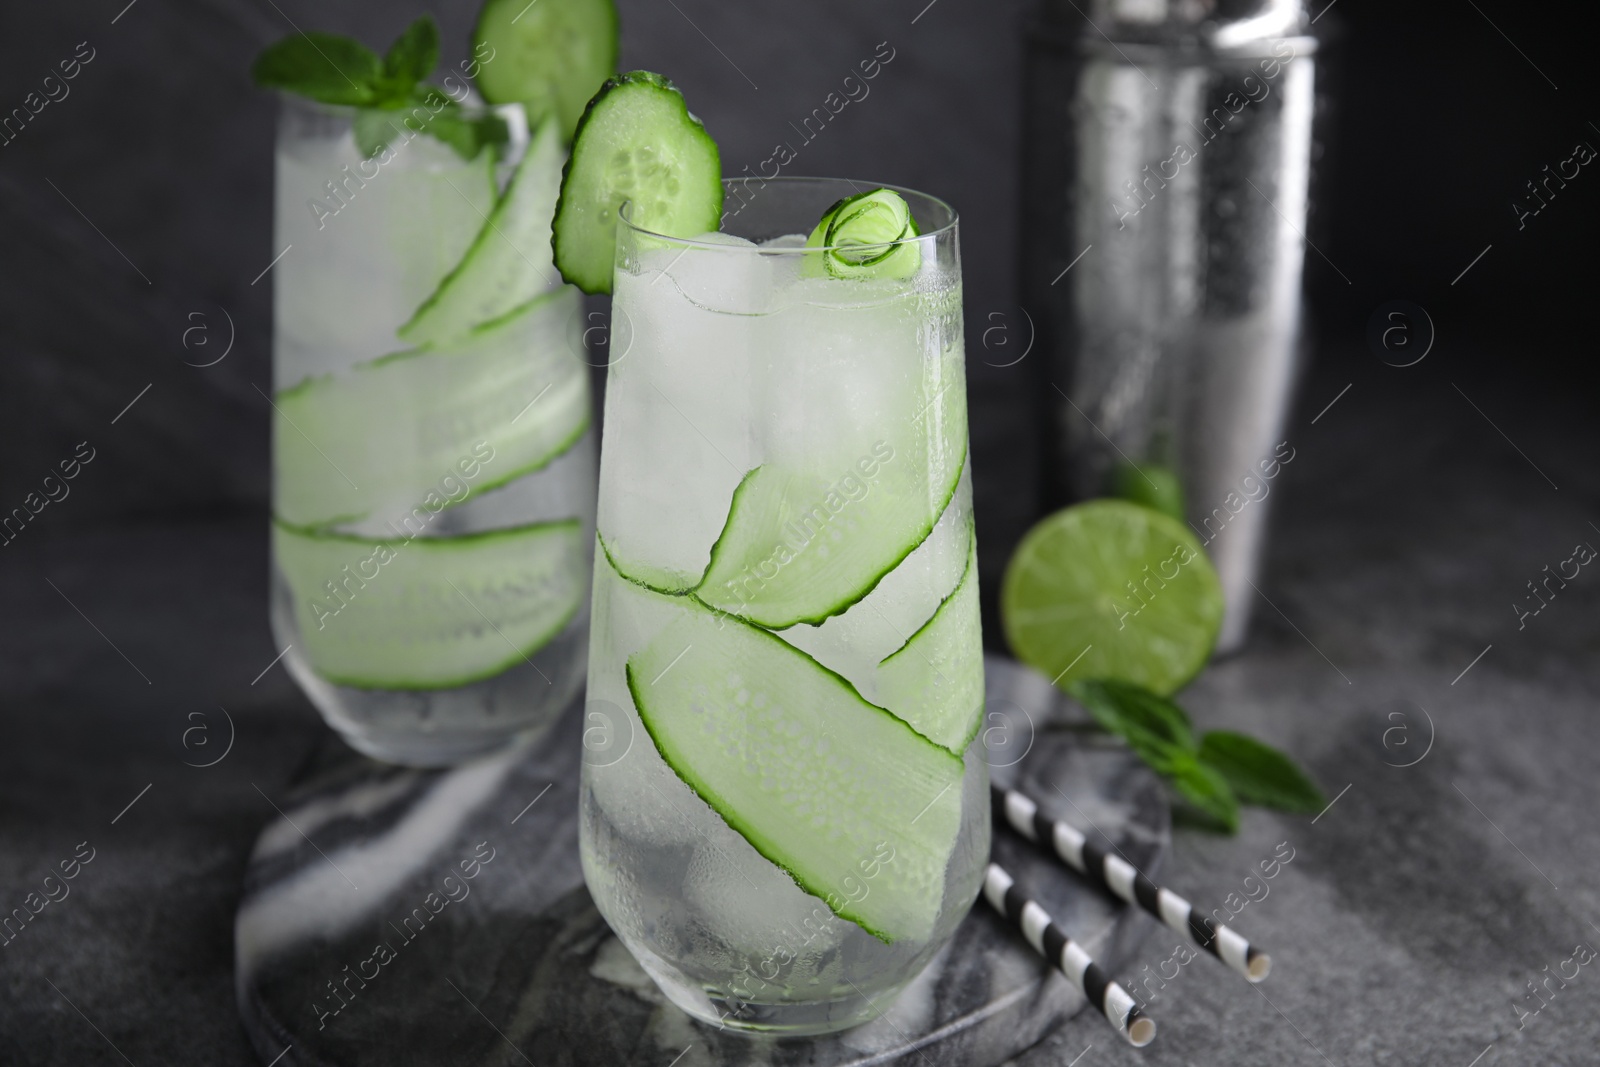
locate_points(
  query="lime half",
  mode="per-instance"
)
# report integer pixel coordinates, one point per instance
(1110, 589)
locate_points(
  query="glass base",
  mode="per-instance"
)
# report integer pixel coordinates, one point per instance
(446, 727)
(776, 1018)
(410, 749)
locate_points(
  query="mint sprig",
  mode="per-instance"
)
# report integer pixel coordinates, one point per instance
(322, 67)
(394, 101)
(1214, 773)
(413, 55)
(1260, 774)
(1207, 792)
(427, 110)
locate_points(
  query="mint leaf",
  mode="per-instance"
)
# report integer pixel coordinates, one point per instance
(1214, 774)
(322, 66)
(1129, 710)
(445, 121)
(413, 56)
(373, 129)
(1259, 774)
(338, 70)
(427, 111)
(448, 122)
(1206, 790)
(468, 136)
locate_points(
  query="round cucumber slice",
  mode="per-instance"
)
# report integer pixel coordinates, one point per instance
(550, 56)
(505, 400)
(858, 808)
(1110, 589)
(636, 144)
(508, 263)
(430, 613)
(935, 680)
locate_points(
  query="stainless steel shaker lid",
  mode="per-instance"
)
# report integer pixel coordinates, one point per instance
(1214, 25)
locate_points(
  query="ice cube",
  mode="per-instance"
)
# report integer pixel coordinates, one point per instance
(642, 799)
(840, 378)
(682, 391)
(367, 243)
(755, 907)
(785, 243)
(718, 271)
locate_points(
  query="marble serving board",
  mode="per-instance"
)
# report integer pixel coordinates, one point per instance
(402, 917)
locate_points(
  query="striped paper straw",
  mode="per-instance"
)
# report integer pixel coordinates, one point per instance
(1122, 879)
(1048, 940)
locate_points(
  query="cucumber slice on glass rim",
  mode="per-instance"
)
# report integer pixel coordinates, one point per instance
(637, 144)
(550, 56)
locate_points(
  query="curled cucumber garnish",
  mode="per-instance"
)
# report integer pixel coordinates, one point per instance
(868, 236)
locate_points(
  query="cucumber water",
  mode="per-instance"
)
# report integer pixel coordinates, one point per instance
(783, 814)
(432, 452)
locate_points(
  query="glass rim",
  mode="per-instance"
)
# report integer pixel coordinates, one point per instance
(795, 180)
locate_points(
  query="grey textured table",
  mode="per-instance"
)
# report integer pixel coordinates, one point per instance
(1404, 928)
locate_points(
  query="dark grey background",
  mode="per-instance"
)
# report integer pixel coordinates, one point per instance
(1402, 537)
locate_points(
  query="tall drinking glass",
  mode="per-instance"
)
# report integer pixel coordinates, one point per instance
(782, 813)
(433, 465)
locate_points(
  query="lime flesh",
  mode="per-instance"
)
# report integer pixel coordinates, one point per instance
(1111, 589)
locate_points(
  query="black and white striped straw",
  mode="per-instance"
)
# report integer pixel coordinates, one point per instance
(1048, 940)
(1122, 879)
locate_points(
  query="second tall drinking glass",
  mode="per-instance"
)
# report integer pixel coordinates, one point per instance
(433, 463)
(784, 814)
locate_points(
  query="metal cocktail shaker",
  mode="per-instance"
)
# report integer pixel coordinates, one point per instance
(1165, 181)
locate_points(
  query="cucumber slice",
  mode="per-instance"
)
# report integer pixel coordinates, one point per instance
(636, 144)
(857, 807)
(508, 263)
(852, 476)
(857, 641)
(787, 555)
(550, 56)
(935, 680)
(430, 613)
(655, 579)
(497, 404)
